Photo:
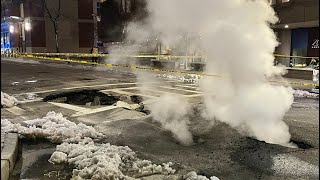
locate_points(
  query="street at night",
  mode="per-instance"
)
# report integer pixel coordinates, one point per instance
(160, 90)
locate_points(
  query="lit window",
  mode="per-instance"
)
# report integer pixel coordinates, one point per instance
(273, 2)
(284, 1)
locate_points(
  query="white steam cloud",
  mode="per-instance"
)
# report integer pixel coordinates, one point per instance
(239, 45)
(172, 112)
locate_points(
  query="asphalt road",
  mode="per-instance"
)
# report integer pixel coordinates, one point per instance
(220, 150)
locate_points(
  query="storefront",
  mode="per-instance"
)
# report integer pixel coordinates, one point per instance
(304, 42)
(5, 37)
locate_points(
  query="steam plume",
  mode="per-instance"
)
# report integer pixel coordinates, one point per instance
(239, 42)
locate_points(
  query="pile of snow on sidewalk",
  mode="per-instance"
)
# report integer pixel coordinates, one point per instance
(8, 101)
(305, 94)
(105, 161)
(54, 127)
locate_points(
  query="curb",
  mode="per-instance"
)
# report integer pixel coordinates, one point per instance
(9, 154)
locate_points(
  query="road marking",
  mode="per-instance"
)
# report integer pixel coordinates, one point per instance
(87, 86)
(194, 85)
(92, 111)
(69, 106)
(129, 93)
(191, 87)
(32, 100)
(179, 89)
(161, 92)
(16, 110)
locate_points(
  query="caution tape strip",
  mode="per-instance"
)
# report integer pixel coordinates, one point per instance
(154, 69)
(135, 56)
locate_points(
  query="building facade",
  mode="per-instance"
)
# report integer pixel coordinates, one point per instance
(75, 26)
(297, 30)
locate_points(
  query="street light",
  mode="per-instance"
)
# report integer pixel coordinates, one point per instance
(27, 26)
(11, 28)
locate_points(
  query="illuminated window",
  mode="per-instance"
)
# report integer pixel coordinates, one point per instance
(284, 1)
(273, 2)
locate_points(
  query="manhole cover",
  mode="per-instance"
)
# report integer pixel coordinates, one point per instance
(84, 97)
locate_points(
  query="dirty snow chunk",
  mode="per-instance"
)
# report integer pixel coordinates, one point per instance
(105, 161)
(31, 96)
(54, 127)
(8, 101)
(193, 176)
(59, 157)
(127, 106)
(305, 94)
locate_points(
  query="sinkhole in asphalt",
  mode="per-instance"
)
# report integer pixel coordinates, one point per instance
(83, 97)
(301, 144)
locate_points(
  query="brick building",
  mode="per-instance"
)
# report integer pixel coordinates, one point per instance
(76, 28)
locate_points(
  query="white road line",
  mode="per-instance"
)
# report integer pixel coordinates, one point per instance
(88, 86)
(161, 92)
(92, 111)
(126, 88)
(33, 100)
(69, 106)
(193, 95)
(186, 90)
(100, 85)
(192, 87)
(16, 110)
(129, 93)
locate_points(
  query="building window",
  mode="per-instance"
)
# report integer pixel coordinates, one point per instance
(273, 2)
(285, 1)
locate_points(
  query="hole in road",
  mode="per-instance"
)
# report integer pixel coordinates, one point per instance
(301, 144)
(83, 97)
(96, 98)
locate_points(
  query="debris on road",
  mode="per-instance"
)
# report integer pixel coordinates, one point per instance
(8, 101)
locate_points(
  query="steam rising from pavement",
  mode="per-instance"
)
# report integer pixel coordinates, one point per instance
(239, 44)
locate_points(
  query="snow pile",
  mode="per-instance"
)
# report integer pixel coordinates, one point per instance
(105, 161)
(54, 127)
(304, 94)
(193, 176)
(8, 101)
(30, 96)
(190, 78)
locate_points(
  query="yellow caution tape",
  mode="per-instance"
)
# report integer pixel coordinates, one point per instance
(155, 69)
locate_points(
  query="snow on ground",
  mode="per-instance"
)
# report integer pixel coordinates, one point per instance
(54, 127)
(190, 78)
(105, 161)
(193, 176)
(19, 60)
(91, 160)
(305, 94)
(8, 101)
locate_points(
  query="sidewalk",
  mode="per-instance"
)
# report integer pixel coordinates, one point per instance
(9, 153)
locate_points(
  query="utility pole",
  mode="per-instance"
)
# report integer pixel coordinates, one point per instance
(22, 29)
(95, 24)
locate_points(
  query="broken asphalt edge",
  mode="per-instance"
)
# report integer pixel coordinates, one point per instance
(9, 154)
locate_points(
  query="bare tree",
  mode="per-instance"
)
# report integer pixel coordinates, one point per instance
(54, 16)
